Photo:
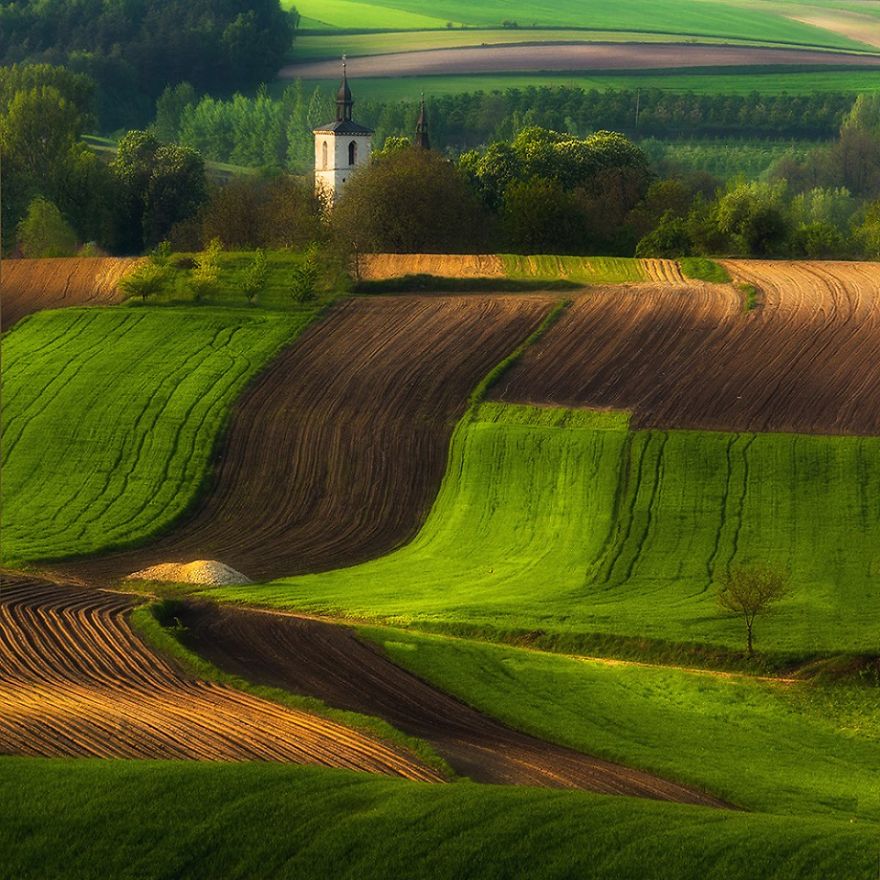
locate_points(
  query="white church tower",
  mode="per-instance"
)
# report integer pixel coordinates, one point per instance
(340, 146)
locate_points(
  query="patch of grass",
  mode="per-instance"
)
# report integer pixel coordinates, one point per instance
(84, 820)
(567, 525)
(582, 270)
(779, 747)
(111, 415)
(750, 296)
(713, 81)
(159, 625)
(704, 269)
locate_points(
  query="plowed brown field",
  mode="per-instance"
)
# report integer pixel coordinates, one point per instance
(327, 661)
(807, 360)
(337, 452)
(376, 267)
(31, 285)
(75, 681)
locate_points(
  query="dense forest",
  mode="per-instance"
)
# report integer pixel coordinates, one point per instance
(133, 49)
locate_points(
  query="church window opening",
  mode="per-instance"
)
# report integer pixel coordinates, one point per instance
(352, 153)
(324, 154)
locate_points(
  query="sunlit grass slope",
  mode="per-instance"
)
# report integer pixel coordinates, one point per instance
(159, 819)
(567, 523)
(584, 270)
(110, 417)
(780, 747)
(740, 20)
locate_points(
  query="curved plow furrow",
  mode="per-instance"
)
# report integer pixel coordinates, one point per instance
(76, 681)
(337, 451)
(806, 361)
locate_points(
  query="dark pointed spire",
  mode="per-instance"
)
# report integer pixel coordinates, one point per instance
(344, 101)
(422, 140)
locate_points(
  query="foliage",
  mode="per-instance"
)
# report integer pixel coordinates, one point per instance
(417, 203)
(146, 280)
(670, 238)
(505, 551)
(204, 277)
(135, 54)
(121, 451)
(256, 277)
(750, 591)
(44, 232)
(304, 277)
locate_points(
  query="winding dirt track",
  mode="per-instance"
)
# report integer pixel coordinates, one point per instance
(336, 453)
(327, 661)
(31, 285)
(806, 360)
(75, 681)
(511, 58)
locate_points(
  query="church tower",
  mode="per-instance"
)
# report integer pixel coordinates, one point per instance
(340, 146)
(422, 141)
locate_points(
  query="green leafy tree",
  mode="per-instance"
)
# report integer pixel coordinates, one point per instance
(170, 107)
(146, 280)
(750, 592)
(204, 277)
(669, 239)
(44, 232)
(305, 275)
(255, 277)
(541, 216)
(752, 216)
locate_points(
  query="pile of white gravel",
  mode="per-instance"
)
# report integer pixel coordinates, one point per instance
(202, 571)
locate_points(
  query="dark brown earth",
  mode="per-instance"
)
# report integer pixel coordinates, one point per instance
(806, 360)
(337, 451)
(327, 661)
(28, 286)
(570, 57)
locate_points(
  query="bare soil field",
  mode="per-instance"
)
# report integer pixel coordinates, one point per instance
(336, 453)
(76, 681)
(377, 267)
(807, 359)
(32, 285)
(571, 57)
(327, 661)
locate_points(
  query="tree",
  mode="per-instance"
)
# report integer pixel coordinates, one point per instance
(540, 216)
(204, 277)
(256, 276)
(750, 592)
(146, 280)
(44, 232)
(669, 239)
(305, 276)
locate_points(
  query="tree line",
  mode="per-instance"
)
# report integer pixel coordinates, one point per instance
(133, 50)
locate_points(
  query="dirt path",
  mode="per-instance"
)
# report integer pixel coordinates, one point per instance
(336, 453)
(571, 57)
(325, 660)
(807, 360)
(32, 285)
(75, 681)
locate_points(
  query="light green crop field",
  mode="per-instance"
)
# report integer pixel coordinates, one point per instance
(779, 747)
(746, 19)
(84, 820)
(566, 523)
(110, 417)
(585, 270)
(704, 82)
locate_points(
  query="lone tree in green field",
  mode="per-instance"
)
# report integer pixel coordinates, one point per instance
(256, 276)
(147, 280)
(751, 591)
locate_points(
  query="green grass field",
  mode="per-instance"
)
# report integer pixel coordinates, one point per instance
(774, 747)
(110, 416)
(583, 270)
(746, 19)
(568, 525)
(704, 82)
(85, 820)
